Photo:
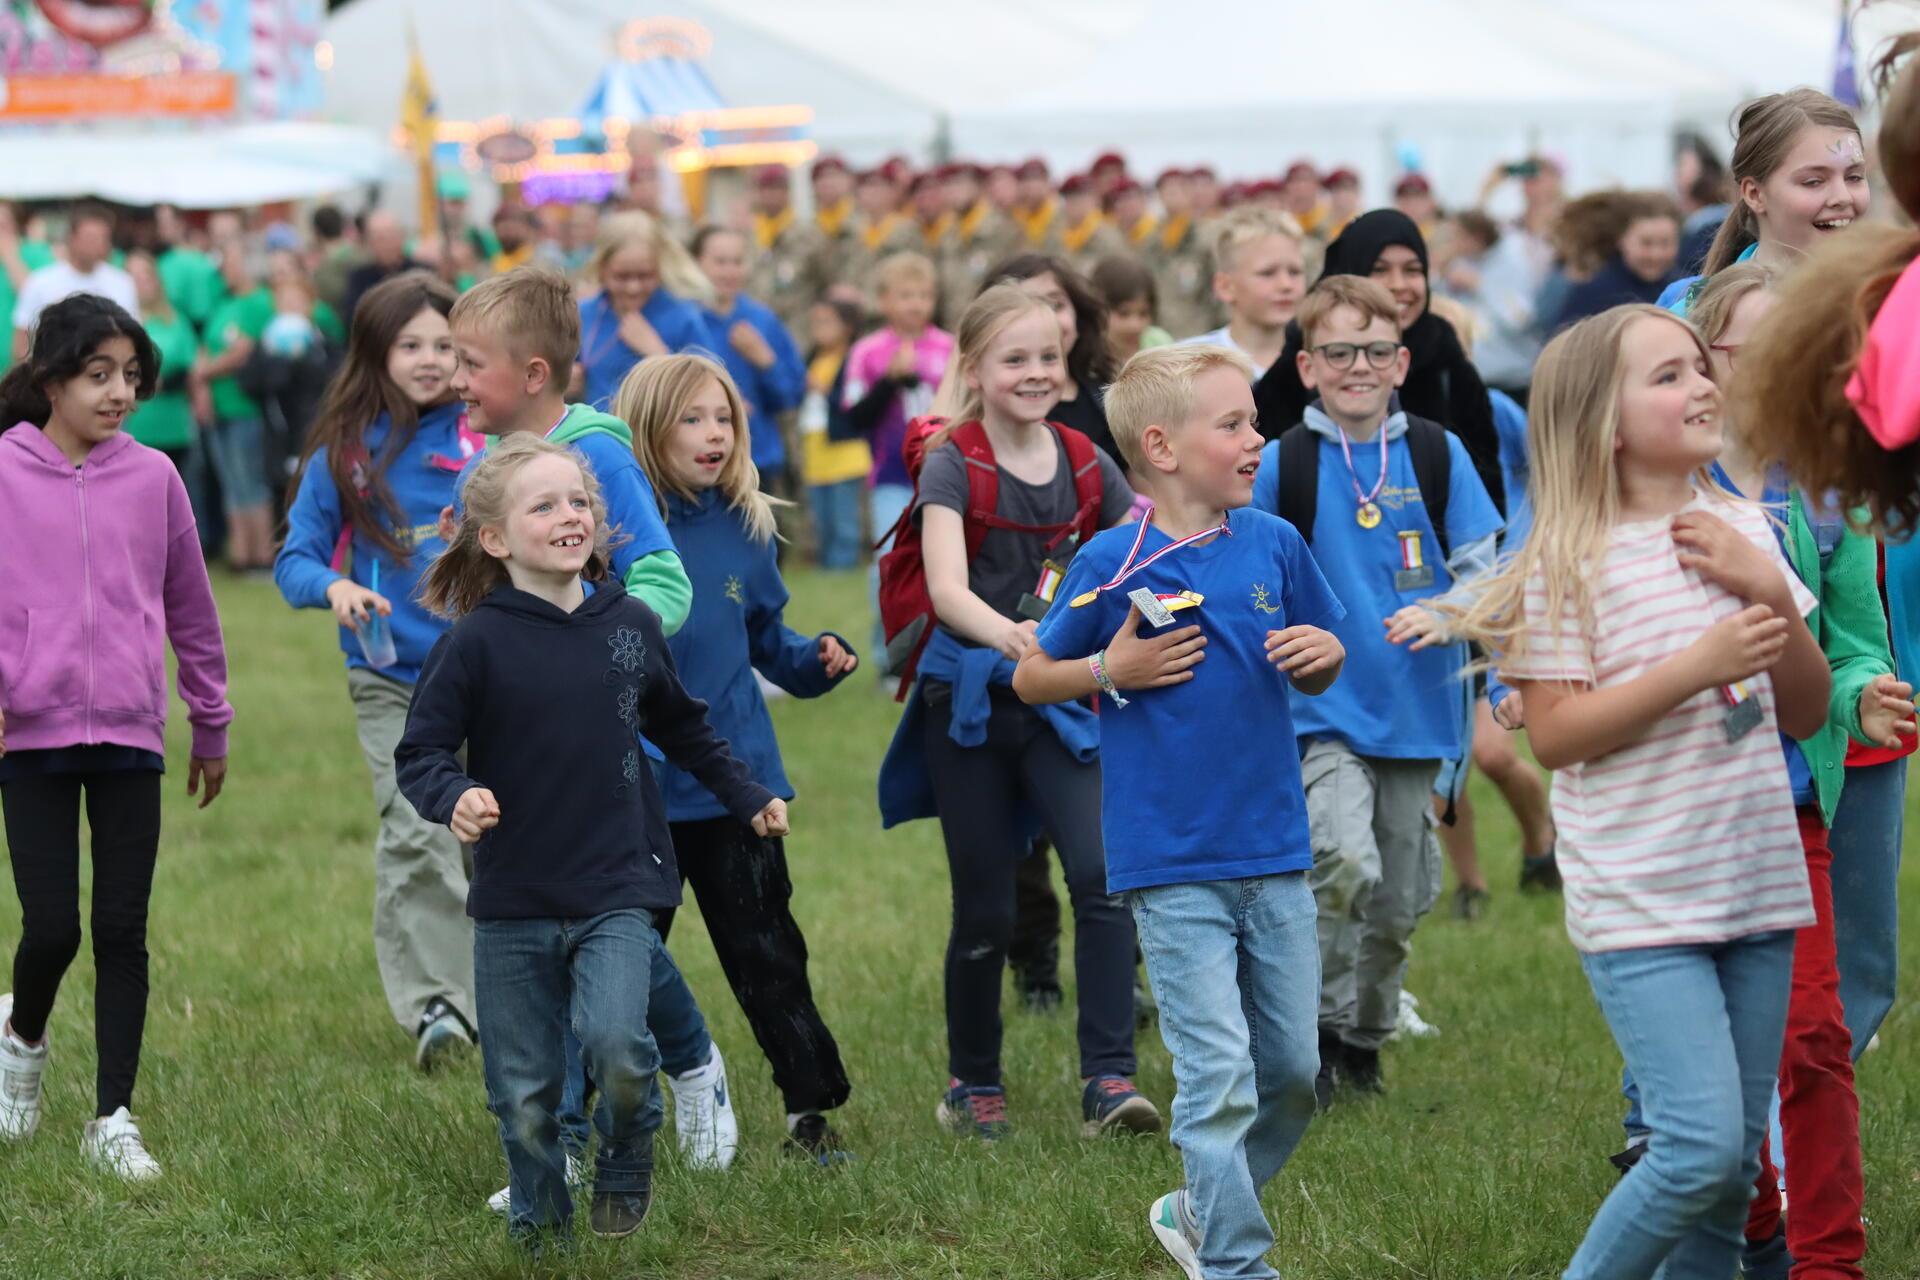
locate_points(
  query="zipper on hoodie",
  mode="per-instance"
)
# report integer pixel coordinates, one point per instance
(86, 569)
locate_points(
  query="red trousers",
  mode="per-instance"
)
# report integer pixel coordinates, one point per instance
(1819, 1112)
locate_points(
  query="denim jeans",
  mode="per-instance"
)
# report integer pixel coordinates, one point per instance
(1865, 839)
(885, 502)
(1235, 967)
(679, 1032)
(1701, 1028)
(535, 980)
(836, 522)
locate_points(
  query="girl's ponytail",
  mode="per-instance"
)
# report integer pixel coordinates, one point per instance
(1738, 230)
(22, 399)
(1764, 134)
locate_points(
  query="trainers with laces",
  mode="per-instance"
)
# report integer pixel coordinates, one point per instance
(974, 1111)
(703, 1119)
(577, 1177)
(112, 1143)
(443, 1033)
(811, 1136)
(22, 1068)
(620, 1213)
(1110, 1104)
(1168, 1217)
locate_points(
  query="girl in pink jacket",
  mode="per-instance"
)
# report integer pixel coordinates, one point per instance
(102, 567)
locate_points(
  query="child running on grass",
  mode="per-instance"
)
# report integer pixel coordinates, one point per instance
(547, 677)
(102, 560)
(1658, 639)
(691, 436)
(1216, 874)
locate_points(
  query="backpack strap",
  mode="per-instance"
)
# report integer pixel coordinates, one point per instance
(1089, 486)
(1299, 479)
(1432, 459)
(983, 484)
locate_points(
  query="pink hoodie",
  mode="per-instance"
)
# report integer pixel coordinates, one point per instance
(100, 566)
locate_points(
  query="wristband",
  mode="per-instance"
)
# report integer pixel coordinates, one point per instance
(1097, 663)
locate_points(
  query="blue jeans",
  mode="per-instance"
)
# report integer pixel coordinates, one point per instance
(1865, 840)
(238, 447)
(885, 502)
(1701, 1028)
(1235, 966)
(678, 1029)
(836, 522)
(535, 980)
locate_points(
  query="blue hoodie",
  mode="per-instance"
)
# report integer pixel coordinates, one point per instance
(735, 628)
(422, 478)
(607, 358)
(768, 392)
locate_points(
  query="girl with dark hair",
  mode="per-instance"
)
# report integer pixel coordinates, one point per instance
(102, 560)
(1132, 300)
(383, 459)
(1083, 336)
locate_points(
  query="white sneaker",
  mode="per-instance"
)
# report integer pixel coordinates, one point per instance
(578, 1174)
(1409, 1022)
(703, 1119)
(1170, 1229)
(21, 1070)
(113, 1144)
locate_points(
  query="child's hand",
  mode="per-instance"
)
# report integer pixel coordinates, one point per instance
(641, 336)
(904, 366)
(1017, 639)
(1886, 711)
(476, 811)
(1421, 626)
(1303, 652)
(748, 341)
(351, 602)
(1746, 644)
(212, 771)
(835, 658)
(1511, 714)
(1722, 554)
(1134, 661)
(771, 822)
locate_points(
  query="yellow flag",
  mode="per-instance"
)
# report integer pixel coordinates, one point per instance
(419, 115)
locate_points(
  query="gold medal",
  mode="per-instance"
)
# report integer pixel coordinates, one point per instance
(1368, 516)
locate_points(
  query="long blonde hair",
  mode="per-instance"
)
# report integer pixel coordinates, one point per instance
(1573, 421)
(680, 275)
(654, 397)
(463, 575)
(985, 317)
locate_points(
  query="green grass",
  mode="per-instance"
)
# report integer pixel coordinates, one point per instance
(298, 1141)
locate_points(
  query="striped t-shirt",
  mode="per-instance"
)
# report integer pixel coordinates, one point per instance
(1682, 837)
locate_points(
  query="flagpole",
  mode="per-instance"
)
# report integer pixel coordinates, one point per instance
(422, 124)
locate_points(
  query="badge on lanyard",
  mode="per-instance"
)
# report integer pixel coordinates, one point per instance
(1414, 571)
(1743, 710)
(1132, 565)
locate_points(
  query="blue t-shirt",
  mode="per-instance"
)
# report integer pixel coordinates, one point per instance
(1390, 702)
(1516, 469)
(1201, 780)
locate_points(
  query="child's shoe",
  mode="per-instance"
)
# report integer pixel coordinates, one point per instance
(973, 1111)
(1408, 1021)
(809, 1135)
(1767, 1259)
(112, 1144)
(1110, 1104)
(1332, 1049)
(1360, 1070)
(1470, 904)
(703, 1119)
(620, 1213)
(1625, 1160)
(578, 1174)
(443, 1033)
(1541, 874)
(1176, 1234)
(22, 1068)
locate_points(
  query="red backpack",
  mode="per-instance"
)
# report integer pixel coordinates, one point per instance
(906, 606)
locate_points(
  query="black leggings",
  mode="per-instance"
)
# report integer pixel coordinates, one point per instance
(980, 792)
(741, 882)
(43, 834)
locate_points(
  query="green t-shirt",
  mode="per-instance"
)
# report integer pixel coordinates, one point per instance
(36, 254)
(248, 318)
(166, 421)
(192, 281)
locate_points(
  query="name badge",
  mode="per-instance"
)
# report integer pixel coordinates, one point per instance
(1156, 613)
(1743, 710)
(1414, 572)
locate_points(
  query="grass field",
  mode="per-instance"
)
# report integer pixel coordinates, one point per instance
(298, 1141)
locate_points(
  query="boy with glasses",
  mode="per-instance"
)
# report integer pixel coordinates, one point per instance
(1395, 514)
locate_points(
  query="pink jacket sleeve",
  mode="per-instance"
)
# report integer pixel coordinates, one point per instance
(193, 628)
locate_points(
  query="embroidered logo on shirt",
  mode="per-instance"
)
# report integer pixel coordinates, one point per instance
(629, 706)
(629, 650)
(1261, 600)
(736, 591)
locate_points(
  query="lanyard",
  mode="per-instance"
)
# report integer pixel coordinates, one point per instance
(548, 435)
(1346, 451)
(1129, 567)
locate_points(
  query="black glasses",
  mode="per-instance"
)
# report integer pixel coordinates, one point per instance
(1340, 354)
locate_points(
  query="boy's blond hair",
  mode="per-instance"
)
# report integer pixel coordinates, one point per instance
(905, 267)
(1156, 386)
(1365, 296)
(531, 311)
(1245, 224)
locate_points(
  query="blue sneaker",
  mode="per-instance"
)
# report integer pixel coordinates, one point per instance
(1111, 1104)
(1175, 1232)
(974, 1111)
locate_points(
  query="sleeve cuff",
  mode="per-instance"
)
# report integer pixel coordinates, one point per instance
(209, 743)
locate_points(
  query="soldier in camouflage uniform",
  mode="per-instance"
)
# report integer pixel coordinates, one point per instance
(880, 228)
(1035, 210)
(837, 244)
(1181, 261)
(1085, 234)
(981, 236)
(787, 253)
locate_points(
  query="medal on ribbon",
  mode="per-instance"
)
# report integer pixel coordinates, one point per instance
(1133, 564)
(1367, 512)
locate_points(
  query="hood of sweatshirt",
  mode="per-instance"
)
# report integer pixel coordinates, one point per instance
(1327, 429)
(580, 420)
(41, 453)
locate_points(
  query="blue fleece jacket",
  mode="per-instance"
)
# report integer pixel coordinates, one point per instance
(735, 628)
(605, 355)
(768, 392)
(422, 477)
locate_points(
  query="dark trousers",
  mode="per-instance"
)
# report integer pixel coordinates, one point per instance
(1034, 952)
(740, 881)
(43, 837)
(982, 794)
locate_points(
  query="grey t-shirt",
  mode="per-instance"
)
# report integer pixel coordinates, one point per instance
(1008, 565)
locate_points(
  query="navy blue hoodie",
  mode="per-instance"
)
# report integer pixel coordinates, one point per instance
(549, 706)
(735, 627)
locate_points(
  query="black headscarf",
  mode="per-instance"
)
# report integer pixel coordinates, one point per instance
(1442, 385)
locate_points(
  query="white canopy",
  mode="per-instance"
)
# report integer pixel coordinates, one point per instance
(205, 168)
